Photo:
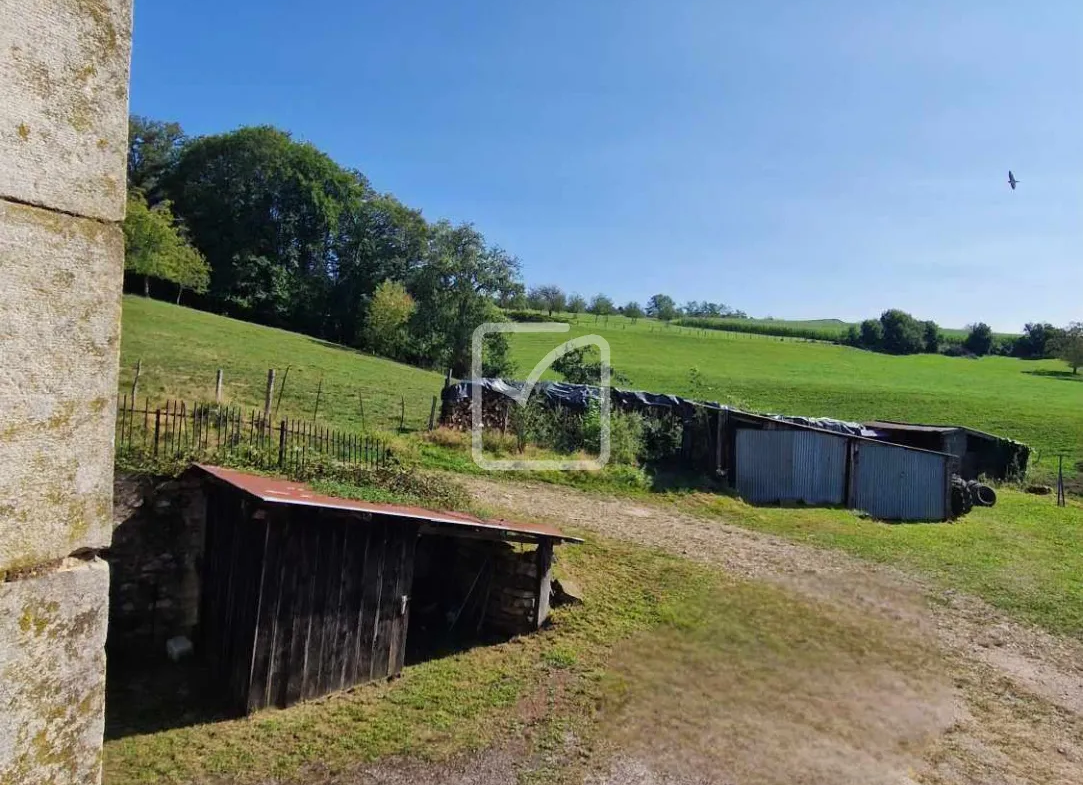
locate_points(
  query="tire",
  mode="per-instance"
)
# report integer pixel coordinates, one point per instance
(962, 501)
(983, 495)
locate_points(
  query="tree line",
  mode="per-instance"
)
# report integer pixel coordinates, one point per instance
(897, 332)
(289, 238)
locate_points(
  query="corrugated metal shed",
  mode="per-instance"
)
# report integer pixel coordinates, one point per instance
(896, 483)
(275, 491)
(791, 465)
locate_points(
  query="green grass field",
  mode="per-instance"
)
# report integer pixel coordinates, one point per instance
(181, 350)
(1037, 402)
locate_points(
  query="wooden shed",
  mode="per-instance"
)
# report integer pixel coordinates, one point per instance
(304, 594)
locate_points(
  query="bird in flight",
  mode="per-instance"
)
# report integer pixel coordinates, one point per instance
(1011, 179)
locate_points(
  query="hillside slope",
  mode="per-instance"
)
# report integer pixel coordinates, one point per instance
(1038, 402)
(181, 350)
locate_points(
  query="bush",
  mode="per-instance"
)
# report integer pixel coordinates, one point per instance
(662, 436)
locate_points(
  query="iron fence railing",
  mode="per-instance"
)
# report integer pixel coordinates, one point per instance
(211, 432)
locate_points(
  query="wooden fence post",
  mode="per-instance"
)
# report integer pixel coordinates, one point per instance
(432, 414)
(402, 417)
(270, 392)
(157, 429)
(319, 392)
(135, 381)
(218, 387)
(281, 444)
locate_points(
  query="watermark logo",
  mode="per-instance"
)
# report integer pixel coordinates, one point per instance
(522, 396)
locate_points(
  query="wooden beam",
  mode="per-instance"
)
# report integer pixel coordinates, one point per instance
(545, 580)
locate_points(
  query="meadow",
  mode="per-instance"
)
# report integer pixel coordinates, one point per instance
(1037, 402)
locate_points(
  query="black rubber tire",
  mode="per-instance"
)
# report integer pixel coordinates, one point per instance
(962, 501)
(983, 495)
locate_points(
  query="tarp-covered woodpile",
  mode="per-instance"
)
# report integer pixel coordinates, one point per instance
(896, 471)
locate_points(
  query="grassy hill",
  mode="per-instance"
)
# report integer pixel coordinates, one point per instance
(1037, 402)
(181, 350)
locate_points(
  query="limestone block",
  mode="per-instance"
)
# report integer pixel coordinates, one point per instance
(52, 675)
(64, 113)
(60, 280)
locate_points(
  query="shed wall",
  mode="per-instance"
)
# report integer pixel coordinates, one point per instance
(299, 603)
(896, 484)
(791, 465)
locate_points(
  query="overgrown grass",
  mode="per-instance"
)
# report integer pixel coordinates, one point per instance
(484, 696)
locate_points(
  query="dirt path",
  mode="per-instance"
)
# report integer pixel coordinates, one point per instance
(1009, 711)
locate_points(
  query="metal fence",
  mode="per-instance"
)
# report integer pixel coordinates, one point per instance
(208, 432)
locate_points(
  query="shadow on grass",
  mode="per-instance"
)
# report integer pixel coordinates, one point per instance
(148, 697)
(1064, 376)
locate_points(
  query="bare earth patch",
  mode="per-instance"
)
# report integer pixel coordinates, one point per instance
(998, 702)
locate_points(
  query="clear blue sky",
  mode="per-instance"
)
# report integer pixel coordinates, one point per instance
(812, 159)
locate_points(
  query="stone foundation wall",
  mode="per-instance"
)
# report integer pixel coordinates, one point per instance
(155, 558)
(63, 142)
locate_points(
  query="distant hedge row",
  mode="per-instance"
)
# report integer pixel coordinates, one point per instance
(759, 328)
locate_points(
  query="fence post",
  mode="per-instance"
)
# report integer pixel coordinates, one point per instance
(402, 417)
(270, 392)
(281, 443)
(157, 429)
(135, 381)
(319, 391)
(432, 414)
(218, 387)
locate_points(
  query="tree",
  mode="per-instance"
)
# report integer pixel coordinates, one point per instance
(389, 311)
(1037, 341)
(872, 335)
(576, 304)
(902, 333)
(154, 247)
(661, 306)
(931, 336)
(1069, 346)
(455, 290)
(153, 149)
(535, 300)
(693, 308)
(852, 336)
(274, 218)
(979, 340)
(600, 305)
(633, 311)
(550, 298)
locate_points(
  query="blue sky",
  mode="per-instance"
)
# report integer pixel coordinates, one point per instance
(798, 159)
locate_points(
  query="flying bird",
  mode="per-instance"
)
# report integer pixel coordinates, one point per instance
(1011, 179)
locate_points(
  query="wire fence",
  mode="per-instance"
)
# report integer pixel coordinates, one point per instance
(212, 432)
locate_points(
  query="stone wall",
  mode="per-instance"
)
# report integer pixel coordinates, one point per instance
(63, 141)
(155, 563)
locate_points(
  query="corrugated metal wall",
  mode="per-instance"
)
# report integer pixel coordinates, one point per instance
(899, 484)
(791, 465)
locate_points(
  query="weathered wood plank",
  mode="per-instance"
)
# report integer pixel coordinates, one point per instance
(320, 538)
(266, 612)
(403, 588)
(545, 580)
(388, 605)
(370, 603)
(331, 642)
(354, 567)
(287, 592)
(302, 609)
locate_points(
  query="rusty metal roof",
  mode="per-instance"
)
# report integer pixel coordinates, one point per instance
(276, 491)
